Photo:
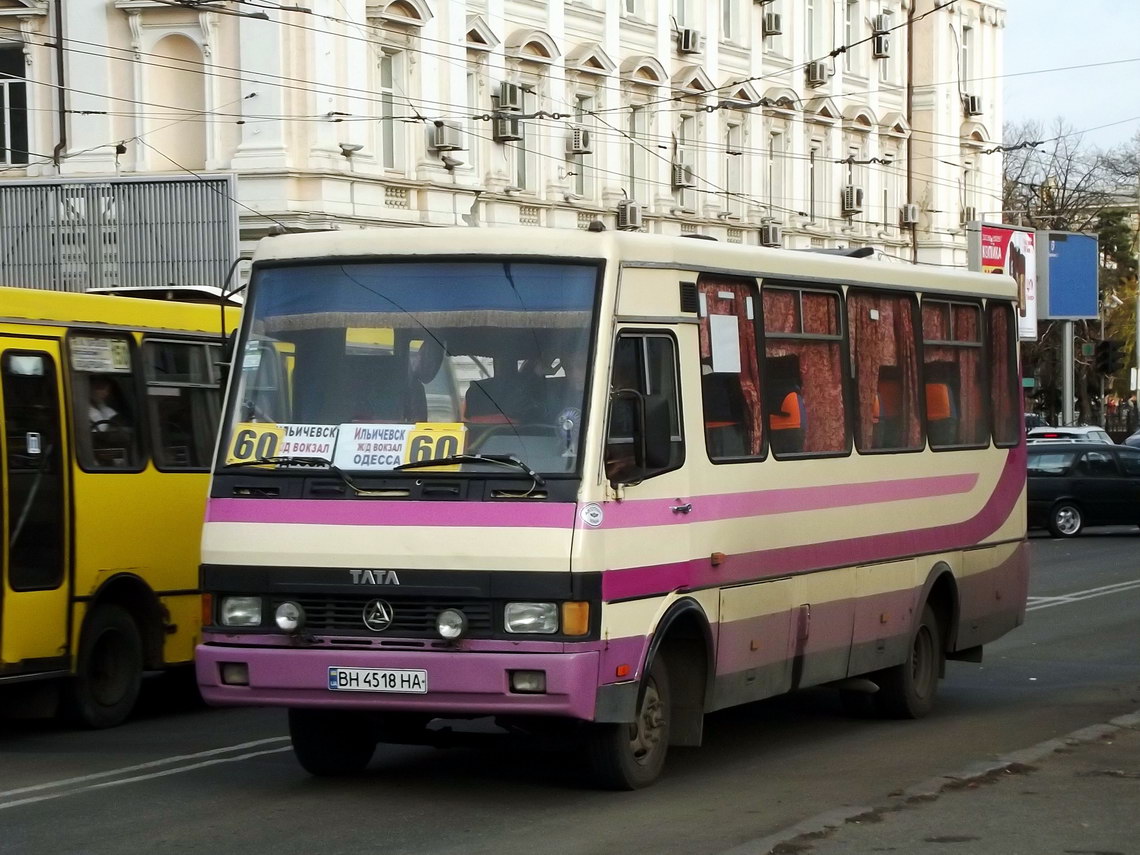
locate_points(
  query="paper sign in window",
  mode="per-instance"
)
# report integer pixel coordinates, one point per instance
(724, 335)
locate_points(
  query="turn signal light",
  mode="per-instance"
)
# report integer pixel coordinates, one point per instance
(575, 618)
(207, 610)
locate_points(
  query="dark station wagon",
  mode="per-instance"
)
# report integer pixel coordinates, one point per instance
(1072, 485)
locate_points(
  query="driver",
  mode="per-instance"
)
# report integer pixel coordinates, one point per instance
(100, 412)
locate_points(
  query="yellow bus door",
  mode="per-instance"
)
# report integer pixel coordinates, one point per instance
(33, 589)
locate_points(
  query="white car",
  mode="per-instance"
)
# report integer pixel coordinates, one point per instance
(1082, 433)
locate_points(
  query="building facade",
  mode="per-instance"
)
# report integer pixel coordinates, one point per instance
(803, 123)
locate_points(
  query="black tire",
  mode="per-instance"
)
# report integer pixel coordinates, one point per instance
(908, 690)
(108, 673)
(332, 742)
(1065, 520)
(631, 756)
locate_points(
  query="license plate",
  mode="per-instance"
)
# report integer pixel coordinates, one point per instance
(377, 680)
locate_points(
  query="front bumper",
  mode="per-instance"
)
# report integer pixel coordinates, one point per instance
(460, 682)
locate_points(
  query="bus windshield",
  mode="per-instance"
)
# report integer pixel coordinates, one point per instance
(373, 365)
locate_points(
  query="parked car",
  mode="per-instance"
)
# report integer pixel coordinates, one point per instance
(1072, 485)
(1082, 433)
(1034, 420)
(1133, 440)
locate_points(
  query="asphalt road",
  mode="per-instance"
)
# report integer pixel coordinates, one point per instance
(193, 780)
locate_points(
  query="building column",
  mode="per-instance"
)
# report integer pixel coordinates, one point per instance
(262, 60)
(89, 88)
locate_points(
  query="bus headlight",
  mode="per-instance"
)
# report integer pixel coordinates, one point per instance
(451, 624)
(531, 617)
(290, 616)
(240, 611)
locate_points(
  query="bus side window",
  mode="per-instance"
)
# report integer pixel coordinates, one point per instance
(730, 370)
(105, 403)
(183, 402)
(957, 414)
(884, 365)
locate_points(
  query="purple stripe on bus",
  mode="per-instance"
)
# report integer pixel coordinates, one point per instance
(388, 513)
(634, 582)
(646, 512)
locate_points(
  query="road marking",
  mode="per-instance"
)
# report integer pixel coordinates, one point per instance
(1036, 603)
(71, 783)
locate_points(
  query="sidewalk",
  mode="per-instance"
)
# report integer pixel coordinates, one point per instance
(1078, 795)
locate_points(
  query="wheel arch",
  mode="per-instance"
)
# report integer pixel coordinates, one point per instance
(684, 637)
(942, 594)
(131, 593)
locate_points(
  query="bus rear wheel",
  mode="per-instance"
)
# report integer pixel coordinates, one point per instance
(108, 675)
(631, 756)
(332, 742)
(908, 690)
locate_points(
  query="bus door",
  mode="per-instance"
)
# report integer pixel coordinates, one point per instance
(33, 593)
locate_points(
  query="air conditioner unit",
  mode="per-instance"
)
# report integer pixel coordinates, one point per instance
(578, 142)
(880, 24)
(683, 176)
(689, 40)
(969, 214)
(816, 73)
(772, 24)
(770, 235)
(628, 215)
(881, 46)
(973, 104)
(507, 130)
(445, 137)
(908, 216)
(510, 97)
(852, 199)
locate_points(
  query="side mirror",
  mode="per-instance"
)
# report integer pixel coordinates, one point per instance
(657, 433)
(639, 443)
(225, 364)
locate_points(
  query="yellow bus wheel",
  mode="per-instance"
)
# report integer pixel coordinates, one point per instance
(109, 672)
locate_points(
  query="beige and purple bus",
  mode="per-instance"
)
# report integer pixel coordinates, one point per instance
(606, 482)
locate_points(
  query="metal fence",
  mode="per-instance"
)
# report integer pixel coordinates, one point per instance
(71, 235)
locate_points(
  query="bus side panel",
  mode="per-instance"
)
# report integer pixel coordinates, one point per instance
(884, 614)
(993, 587)
(146, 525)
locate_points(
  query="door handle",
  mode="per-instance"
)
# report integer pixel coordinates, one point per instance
(682, 509)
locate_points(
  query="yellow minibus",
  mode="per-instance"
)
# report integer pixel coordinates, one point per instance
(109, 409)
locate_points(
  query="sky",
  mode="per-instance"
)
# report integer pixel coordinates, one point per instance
(1043, 34)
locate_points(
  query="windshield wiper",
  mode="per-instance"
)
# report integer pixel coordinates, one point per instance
(280, 460)
(501, 459)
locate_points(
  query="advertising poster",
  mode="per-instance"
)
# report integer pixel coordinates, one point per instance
(1004, 249)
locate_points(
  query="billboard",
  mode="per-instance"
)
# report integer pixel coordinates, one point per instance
(1068, 267)
(1011, 250)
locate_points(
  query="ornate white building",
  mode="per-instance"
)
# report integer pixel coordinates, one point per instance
(809, 122)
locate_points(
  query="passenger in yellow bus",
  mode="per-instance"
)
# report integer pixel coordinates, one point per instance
(100, 412)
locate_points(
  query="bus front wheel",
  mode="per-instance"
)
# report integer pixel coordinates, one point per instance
(331, 742)
(631, 756)
(108, 675)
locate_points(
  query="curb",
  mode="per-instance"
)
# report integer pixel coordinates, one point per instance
(796, 838)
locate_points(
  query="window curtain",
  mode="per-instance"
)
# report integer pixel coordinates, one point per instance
(1003, 376)
(887, 342)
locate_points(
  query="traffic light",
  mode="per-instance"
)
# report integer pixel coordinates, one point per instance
(1109, 356)
(1103, 350)
(1115, 357)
